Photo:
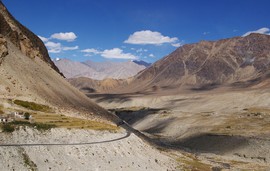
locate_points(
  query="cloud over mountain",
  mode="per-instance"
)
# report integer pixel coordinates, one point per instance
(149, 37)
(263, 30)
(115, 53)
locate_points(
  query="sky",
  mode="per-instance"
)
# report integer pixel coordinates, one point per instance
(120, 30)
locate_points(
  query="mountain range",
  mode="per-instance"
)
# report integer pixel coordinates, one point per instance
(226, 61)
(100, 70)
(238, 61)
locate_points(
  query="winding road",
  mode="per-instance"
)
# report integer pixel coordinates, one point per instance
(65, 144)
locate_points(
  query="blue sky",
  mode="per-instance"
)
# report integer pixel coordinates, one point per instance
(114, 30)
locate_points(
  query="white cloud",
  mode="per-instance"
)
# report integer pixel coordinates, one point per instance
(54, 47)
(149, 37)
(176, 44)
(141, 50)
(152, 55)
(57, 47)
(263, 30)
(69, 36)
(87, 55)
(71, 48)
(92, 50)
(206, 32)
(117, 53)
(44, 39)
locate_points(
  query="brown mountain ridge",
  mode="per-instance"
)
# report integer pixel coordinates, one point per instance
(226, 61)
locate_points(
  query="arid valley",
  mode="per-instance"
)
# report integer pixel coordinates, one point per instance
(202, 106)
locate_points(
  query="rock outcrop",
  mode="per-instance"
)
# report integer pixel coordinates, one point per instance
(28, 43)
(3, 48)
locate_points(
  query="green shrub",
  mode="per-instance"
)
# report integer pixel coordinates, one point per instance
(28, 162)
(27, 116)
(20, 123)
(38, 126)
(8, 128)
(43, 127)
(32, 106)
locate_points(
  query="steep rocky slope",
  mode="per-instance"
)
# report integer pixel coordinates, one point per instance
(26, 41)
(209, 63)
(27, 73)
(99, 70)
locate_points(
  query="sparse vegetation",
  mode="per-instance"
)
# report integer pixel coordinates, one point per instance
(71, 122)
(28, 162)
(247, 122)
(8, 128)
(33, 106)
(192, 164)
(1, 110)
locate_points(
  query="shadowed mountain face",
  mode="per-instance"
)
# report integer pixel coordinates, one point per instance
(209, 63)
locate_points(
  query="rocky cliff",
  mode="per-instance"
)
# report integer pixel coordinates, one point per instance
(28, 43)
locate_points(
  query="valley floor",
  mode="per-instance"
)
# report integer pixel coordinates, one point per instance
(223, 129)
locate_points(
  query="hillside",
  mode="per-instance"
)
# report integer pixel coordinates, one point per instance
(27, 73)
(25, 40)
(88, 85)
(99, 70)
(226, 61)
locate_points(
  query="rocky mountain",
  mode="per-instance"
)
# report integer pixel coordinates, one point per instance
(88, 85)
(27, 73)
(99, 70)
(208, 63)
(26, 41)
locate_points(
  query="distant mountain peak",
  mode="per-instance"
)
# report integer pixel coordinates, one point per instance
(141, 62)
(100, 70)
